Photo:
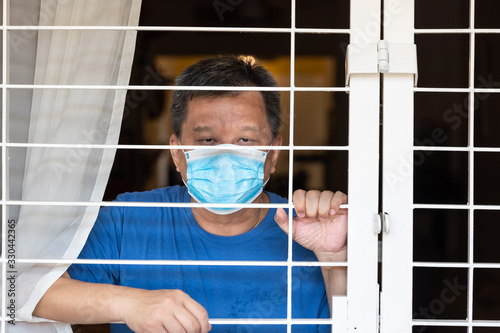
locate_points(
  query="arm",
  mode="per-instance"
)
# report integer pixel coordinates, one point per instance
(321, 226)
(74, 301)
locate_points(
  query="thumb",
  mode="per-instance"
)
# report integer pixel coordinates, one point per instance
(281, 218)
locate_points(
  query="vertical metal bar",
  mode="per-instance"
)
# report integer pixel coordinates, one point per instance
(472, 57)
(4, 166)
(362, 287)
(364, 101)
(339, 311)
(290, 163)
(396, 297)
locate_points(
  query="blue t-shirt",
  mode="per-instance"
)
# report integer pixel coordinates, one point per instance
(164, 233)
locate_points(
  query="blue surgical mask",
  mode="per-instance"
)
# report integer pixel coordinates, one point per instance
(225, 176)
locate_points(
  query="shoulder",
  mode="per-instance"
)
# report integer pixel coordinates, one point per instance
(119, 213)
(275, 198)
(165, 194)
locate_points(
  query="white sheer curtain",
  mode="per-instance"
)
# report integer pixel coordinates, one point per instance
(62, 116)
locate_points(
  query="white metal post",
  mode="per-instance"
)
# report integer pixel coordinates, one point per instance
(364, 101)
(396, 296)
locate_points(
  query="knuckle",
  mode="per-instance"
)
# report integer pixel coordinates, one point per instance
(328, 193)
(313, 194)
(299, 191)
(202, 314)
(193, 326)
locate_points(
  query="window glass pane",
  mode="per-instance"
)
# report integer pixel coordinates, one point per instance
(486, 330)
(22, 48)
(486, 178)
(320, 170)
(321, 119)
(27, 12)
(322, 14)
(441, 14)
(332, 67)
(487, 68)
(486, 120)
(440, 177)
(487, 14)
(441, 119)
(443, 60)
(438, 329)
(486, 295)
(217, 13)
(439, 293)
(196, 45)
(440, 235)
(486, 231)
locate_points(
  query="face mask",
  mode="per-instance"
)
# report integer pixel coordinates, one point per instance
(225, 176)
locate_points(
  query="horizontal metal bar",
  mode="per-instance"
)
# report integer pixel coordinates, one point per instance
(177, 28)
(456, 265)
(456, 206)
(148, 204)
(458, 90)
(257, 321)
(445, 148)
(166, 88)
(246, 321)
(444, 322)
(430, 89)
(142, 204)
(457, 31)
(165, 147)
(180, 262)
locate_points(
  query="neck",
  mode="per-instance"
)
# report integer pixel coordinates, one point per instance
(232, 224)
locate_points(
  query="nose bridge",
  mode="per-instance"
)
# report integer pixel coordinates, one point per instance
(223, 167)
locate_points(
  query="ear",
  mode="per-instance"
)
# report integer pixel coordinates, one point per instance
(176, 153)
(278, 140)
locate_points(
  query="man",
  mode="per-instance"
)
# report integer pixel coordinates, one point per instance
(182, 298)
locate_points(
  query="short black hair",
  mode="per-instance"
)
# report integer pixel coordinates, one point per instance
(232, 71)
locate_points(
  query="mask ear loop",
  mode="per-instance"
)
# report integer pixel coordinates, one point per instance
(180, 144)
(267, 153)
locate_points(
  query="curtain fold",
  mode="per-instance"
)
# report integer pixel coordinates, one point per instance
(61, 116)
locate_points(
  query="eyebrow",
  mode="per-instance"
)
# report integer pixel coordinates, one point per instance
(251, 128)
(202, 129)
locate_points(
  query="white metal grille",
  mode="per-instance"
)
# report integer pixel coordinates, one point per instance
(357, 258)
(455, 288)
(359, 311)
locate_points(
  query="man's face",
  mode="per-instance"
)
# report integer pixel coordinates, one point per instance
(239, 120)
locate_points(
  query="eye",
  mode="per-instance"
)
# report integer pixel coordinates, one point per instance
(246, 141)
(207, 141)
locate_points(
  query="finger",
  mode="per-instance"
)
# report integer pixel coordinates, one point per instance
(281, 218)
(312, 203)
(199, 314)
(324, 207)
(299, 202)
(188, 322)
(338, 199)
(171, 324)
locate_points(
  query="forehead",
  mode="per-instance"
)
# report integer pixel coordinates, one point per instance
(246, 109)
